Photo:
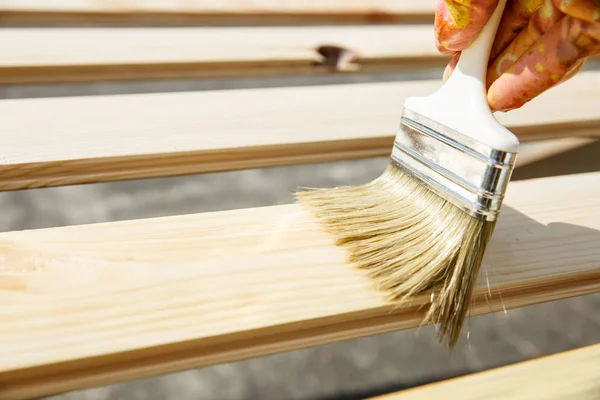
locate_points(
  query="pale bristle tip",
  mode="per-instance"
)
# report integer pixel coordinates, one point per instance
(409, 241)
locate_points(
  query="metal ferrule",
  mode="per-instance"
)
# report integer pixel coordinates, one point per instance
(465, 172)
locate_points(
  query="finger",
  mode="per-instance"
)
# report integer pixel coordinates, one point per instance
(587, 10)
(542, 20)
(517, 14)
(458, 22)
(535, 72)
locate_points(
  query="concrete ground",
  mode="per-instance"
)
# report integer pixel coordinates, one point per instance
(344, 370)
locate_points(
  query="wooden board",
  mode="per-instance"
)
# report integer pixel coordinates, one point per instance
(573, 374)
(532, 152)
(31, 55)
(89, 305)
(214, 11)
(62, 141)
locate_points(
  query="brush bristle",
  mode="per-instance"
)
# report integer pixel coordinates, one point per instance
(409, 240)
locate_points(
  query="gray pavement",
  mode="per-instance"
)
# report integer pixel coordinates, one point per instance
(344, 370)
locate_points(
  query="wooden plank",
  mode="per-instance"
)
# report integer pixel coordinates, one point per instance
(573, 374)
(38, 55)
(532, 152)
(89, 305)
(62, 141)
(214, 11)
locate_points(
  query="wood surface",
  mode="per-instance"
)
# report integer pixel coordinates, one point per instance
(41, 55)
(62, 141)
(214, 11)
(570, 375)
(88, 305)
(532, 152)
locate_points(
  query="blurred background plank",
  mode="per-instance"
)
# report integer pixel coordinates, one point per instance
(31, 55)
(214, 11)
(61, 141)
(55, 55)
(530, 153)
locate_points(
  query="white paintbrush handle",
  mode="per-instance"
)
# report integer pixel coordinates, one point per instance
(461, 103)
(473, 60)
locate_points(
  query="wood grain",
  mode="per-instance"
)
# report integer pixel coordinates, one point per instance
(573, 374)
(88, 305)
(214, 11)
(62, 141)
(40, 55)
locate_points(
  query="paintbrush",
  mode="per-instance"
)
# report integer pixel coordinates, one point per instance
(424, 224)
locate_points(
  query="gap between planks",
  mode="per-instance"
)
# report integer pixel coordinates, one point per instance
(169, 12)
(63, 141)
(89, 305)
(573, 374)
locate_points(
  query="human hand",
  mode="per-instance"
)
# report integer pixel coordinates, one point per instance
(539, 43)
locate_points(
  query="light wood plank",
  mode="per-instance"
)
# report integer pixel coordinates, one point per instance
(38, 55)
(62, 141)
(532, 152)
(573, 374)
(88, 305)
(214, 11)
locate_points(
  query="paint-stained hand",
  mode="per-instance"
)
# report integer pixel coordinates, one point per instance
(539, 43)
